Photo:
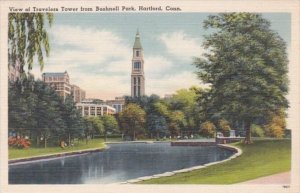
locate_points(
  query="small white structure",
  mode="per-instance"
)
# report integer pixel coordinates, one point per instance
(89, 109)
(232, 133)
(220, 134)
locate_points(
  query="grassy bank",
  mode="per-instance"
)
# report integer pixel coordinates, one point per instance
(33, 151)
(262, 158)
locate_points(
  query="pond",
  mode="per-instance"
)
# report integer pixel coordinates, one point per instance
(120, 162)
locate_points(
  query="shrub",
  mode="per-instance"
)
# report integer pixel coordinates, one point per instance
(276, 125)
(208, 129)
(257, 131)
(19, 142)
(225, 127)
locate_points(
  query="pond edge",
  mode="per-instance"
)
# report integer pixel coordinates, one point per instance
(56, 155)
(235, 149)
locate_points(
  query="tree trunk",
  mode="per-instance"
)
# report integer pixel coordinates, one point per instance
(45, 140)
(37, 140)
(247, 139)
(69, 140)
(105, 136)
(133, 135)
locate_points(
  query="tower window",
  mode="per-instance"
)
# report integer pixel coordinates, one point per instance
(139, 81)
(137, 53)
(137, 65)
(134, 80)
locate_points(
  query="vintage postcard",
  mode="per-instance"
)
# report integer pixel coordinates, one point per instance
(144, 96)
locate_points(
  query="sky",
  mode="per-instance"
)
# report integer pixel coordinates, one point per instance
(96, 49)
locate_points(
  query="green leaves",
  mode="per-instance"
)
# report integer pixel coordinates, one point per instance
(27, 39)
(132, 120)
(246, 67)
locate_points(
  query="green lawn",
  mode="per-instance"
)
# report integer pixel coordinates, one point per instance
(262, 158)
(32, 151)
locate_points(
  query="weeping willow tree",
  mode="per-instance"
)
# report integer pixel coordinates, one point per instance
(28, 40)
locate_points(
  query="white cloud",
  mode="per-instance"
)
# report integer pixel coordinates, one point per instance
(181, 45)
(157, 64)
(99, 61)
(172, 83)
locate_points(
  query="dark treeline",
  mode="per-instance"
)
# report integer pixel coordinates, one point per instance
(36, 112)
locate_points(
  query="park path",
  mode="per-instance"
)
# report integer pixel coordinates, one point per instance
(281, 178)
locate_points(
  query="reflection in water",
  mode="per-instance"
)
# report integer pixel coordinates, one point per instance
(119, 163)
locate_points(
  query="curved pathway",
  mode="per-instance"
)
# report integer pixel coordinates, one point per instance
(281, 178)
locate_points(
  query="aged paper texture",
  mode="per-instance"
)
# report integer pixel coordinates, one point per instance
(105, 57)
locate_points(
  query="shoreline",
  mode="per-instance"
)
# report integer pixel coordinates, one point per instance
(237, 153)
(92, 150)
(55, 155)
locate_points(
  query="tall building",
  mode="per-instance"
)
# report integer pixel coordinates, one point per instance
(59, 81)
(137, 70)
(77, 93)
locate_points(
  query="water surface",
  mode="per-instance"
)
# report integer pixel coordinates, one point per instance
(119, 163)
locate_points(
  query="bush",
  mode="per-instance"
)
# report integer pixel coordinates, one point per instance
(19, 142)
(208, 129)
(276, 125)
(225, 127)
(257, 131)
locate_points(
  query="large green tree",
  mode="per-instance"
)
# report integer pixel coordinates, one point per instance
(73, 120)
(93, 125)
(246, 66)
(110, 125)
(132, 120)
(27, 38)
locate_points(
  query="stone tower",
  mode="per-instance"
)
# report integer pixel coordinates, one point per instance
(137, 69)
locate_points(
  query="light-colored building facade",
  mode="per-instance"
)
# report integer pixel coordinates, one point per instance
(77, 93)
(118, 103)
(59, 81)
(89, 109)
(137, 70)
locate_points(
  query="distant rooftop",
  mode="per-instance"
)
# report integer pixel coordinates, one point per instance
(54, 73)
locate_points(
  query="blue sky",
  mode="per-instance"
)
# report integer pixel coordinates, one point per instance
(96, 49)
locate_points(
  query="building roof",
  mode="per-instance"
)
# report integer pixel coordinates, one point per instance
(54, 73)
(137, 43)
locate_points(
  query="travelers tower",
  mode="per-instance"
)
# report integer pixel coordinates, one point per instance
(137, 69)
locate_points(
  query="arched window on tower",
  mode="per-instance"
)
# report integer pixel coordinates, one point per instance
(137, 65)
(137, 53)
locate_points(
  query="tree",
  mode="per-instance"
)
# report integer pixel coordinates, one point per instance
(246, 67)
(110, 124)
(207, 129)
(72, 118)
(276, 125)
(185, 100)
(132, 120)
(225, 127)
(48, 113)
(93, 125)
(157, 125)
(27, 38)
